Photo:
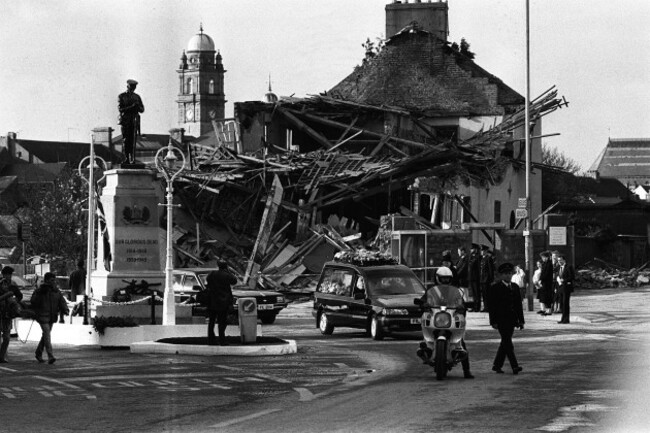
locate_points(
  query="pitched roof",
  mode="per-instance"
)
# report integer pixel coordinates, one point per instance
(626, 159)
(420, 72)
(61, 151)
(30, 173)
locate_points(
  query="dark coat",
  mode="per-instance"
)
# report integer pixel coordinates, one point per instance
(568, 276)
(474, 270)
(77, 282)
(9, 293)
(505, 305)
(48, 302)
(487, 269)
(219, 290)
(462, 271)
(546, 278)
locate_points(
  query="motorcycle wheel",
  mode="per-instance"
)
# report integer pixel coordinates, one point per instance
(326, 328)
(440, 361)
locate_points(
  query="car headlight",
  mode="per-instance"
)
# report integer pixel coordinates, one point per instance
(442, 320)
(279, 299)
(395, 312)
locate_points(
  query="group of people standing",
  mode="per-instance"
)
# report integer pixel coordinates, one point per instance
(475, 270)
(554, 279)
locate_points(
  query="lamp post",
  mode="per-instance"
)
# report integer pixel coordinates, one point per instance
(91, 160)
(528, 241)
(166, 165)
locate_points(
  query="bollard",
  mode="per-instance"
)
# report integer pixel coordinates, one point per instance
(247, 312)
(153, 307)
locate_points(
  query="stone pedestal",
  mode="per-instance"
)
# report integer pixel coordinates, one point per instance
(130, 200)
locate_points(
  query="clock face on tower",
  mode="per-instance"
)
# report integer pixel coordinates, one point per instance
(189, 114)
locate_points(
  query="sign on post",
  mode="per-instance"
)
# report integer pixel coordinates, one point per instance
(557, 235)
(521, 213)
(521, 202)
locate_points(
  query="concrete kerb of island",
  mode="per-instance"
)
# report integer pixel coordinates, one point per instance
(253, 349)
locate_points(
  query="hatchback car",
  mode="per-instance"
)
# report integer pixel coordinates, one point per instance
(188, 282)
(378, 299)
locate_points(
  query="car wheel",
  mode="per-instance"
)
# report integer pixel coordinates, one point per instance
(375, 329)
(268, 319)
(324, 325)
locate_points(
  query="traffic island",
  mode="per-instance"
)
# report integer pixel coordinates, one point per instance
(263, 346)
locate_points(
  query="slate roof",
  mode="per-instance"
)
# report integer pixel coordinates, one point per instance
(420, 72)
(61, 151)
(627, 159)
(31, 173)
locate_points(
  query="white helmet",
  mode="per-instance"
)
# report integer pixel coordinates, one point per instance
(444, 271)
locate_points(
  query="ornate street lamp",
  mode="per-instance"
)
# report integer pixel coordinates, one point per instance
(85, 165)
(167, 166)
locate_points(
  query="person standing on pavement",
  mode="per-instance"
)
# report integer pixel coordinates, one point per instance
(557, 300)
(47, 302)
(462, 268)
(546, 278)
(9, 294)
(537, 285)
(486, 275)
(220, 301)
(506, 314)
(448, 263)
(474, 276)
(565, 279)
(77, 282)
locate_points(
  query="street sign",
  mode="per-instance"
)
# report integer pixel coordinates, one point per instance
(521, 213)
(521, 202)
(557, 236)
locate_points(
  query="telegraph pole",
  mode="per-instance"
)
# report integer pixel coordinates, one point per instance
(528, 241)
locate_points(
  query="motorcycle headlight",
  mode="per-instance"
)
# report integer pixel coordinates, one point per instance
(442, 320)
(279, 299)
(395, 312)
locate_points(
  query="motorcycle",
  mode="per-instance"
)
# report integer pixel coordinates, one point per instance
(443, 330)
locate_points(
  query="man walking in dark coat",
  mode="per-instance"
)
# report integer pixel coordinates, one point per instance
(47, 302)
(565, 279)
(506, 314)
(9, 294)
(77, 282)
(486, 275)
(474, 276)
(220, 301)
(546, 278)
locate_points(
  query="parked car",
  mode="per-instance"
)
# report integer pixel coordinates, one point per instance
(378, 299)
(189, 281)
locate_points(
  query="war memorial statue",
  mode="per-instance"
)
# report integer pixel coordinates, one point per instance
(130, 106)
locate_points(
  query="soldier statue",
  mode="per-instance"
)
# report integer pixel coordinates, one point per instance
(130, 106)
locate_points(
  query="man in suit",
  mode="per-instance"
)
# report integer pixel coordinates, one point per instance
(506, 314)
(486, 275)
(548, 284)
(220, 301)
(474, 276)
(565, 278)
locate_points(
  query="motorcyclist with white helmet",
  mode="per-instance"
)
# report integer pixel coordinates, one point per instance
(445, 294)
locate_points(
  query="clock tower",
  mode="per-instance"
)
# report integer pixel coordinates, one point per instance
(200, 77)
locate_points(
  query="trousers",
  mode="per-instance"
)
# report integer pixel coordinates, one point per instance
(506, 348)
(46, 340)
(221, 318)
(5, 336)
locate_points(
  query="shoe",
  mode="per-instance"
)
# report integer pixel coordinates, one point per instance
(484, 311)
(497, 369)
(39, 358)
(468, 375)
(541, 312)
(516, 370)
(548, 314)
(51, 361)
(563, 322)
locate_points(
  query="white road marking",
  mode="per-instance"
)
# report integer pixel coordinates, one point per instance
(8, 395)
(60, 382)
(574, 416)
(307, 395)
(11, 370)
(245, 418)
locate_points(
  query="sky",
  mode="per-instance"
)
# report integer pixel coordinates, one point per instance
(65, 61)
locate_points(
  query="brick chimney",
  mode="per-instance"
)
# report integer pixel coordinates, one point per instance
(431, 16)
(103, 135)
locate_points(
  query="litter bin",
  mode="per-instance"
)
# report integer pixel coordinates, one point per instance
(247, 312)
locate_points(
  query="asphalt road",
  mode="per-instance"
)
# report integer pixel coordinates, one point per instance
(589, 376)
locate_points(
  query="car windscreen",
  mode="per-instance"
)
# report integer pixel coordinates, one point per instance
(383, 282)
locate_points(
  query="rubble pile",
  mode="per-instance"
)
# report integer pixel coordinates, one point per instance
(598, 274)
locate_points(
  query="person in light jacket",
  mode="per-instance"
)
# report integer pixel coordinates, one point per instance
(48, 302)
